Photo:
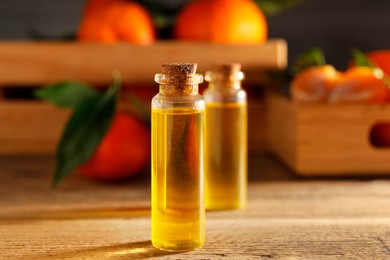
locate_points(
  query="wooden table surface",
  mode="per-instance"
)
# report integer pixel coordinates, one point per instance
(287, 217)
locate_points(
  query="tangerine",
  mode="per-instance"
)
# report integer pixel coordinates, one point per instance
(123, 152)
(360, 84)
(222, 21)
(116, 20)
(380, 58)
(314, 83)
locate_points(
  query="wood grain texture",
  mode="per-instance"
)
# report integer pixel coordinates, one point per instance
(30, 127)
(322, 139)
(37, 63)
(287, 217)
(281, 130)
(231, 239)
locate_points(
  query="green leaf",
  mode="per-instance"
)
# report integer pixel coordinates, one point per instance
(140, 108)
(360, 59)
(276, 6)
(85, 129)
(313, 57)
(66, 93)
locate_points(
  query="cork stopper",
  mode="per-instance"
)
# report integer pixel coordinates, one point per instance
(179, 69)
(224, 74)
(179, 78)
(227, 70)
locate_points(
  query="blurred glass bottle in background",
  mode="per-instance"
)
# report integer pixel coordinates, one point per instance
(225, 138)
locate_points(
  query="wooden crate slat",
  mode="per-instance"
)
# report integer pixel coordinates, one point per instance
(27, 147)
(36, 63)
(28, 127)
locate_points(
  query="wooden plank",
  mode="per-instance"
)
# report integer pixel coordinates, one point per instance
(31, 120)
(256, 126)
(27, 147)
(37, 63)
(30, 127)
(281, 128)
(293, 218)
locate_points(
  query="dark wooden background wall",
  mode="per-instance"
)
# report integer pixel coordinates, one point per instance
(334, 25)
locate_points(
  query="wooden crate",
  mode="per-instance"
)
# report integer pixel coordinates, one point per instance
(33, 127)
(321, 139)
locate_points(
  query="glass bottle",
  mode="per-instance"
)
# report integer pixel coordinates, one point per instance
(178, 212)
(225, 138)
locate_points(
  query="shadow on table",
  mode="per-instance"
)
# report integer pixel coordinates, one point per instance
(265, 168)
(133, 250)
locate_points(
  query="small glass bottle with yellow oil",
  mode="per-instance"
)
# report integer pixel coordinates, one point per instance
(178, 211)
(225, 138)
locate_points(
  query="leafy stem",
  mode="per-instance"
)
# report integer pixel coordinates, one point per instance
(85, 129)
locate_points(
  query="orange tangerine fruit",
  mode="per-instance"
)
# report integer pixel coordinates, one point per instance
(360, 84)
(380, 58)
(123, 152)
(314, 83)
(116, 20)
(222, 21)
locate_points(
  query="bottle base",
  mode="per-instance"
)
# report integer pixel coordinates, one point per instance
(177, 246)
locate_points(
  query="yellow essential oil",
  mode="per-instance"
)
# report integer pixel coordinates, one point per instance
(225, 139)
(226, 156)
(178, 212)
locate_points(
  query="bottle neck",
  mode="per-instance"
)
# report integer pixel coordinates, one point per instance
(225, 84)
(221, 80)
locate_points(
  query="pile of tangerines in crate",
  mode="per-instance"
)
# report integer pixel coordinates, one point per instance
(366, 81)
